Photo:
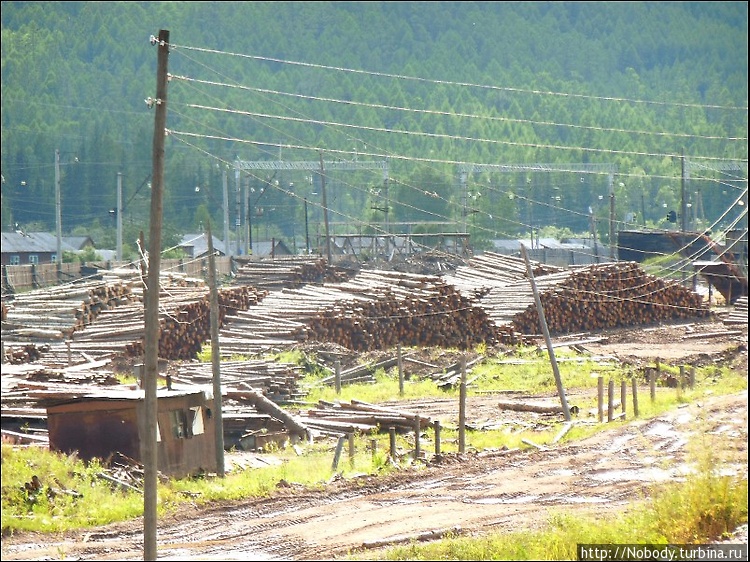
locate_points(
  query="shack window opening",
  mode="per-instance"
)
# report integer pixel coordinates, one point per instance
(196, 420)
(179, 424)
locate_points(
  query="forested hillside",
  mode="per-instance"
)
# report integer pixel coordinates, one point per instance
(610, 95)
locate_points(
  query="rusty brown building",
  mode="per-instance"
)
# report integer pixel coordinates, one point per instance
(108, 422)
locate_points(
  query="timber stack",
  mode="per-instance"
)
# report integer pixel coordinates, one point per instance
(387, 308)
(63, 309)
(34, 321)
(185, 319)
(338, 418)
(278, 382)
(608, 296)
(287, 272)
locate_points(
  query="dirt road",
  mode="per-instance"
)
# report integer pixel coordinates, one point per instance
(471, 494)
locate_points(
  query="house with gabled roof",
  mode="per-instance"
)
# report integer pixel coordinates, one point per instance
(196, 245)
(24, 248)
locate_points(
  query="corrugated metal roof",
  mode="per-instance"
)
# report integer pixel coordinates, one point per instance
(31, 242)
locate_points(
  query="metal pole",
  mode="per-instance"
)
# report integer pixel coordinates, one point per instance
(400, 372)
(151, 332)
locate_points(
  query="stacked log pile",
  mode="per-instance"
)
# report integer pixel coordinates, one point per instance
(277, 381)
(38, 321)
(287, 271)
(380, 309)
(607, 296)
(360, 417)
(55, 312)
(185, 319)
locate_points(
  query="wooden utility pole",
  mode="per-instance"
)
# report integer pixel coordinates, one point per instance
(119, 217)
(225, 201)
(58, 218)
(545, 330)
(151, 360)
(215, 356)
(683, 210)
(325, 208)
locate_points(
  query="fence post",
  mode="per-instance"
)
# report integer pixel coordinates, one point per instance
(635, 396)
(417, 431)
(400, 373)
(437, 438)
(337, 454)
(623, 395)
(337, 377)
(652, 384)
(610, 399)
(350, 436)
(392, 435)
(462, 409)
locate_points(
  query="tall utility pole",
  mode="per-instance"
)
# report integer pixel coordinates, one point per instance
(683, 209)
(226, 212)
(215, 356)
(547, 339)
(58, 217)
(325, 208)
(612, 235)
(307, 232)
(119, 217)
(151, 333)
(238, 220)
(387, 204)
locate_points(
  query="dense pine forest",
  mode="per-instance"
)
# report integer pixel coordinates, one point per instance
(492, 118)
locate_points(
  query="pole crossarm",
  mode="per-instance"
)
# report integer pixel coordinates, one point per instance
(311, 165)
(733, 166)
(577, 168)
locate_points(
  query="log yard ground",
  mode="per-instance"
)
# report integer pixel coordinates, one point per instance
(472, 493)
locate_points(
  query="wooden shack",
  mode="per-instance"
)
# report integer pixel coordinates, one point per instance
(101, 424)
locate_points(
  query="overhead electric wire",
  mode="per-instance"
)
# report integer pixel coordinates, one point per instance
(317, 121)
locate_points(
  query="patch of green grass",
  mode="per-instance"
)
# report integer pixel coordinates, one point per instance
(53, 507)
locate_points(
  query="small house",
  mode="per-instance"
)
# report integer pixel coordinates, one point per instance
(196, 245)
(271, 248)
(24, 248)
(103, 423)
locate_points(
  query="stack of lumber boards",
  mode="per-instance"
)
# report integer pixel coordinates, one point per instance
(738, 313)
